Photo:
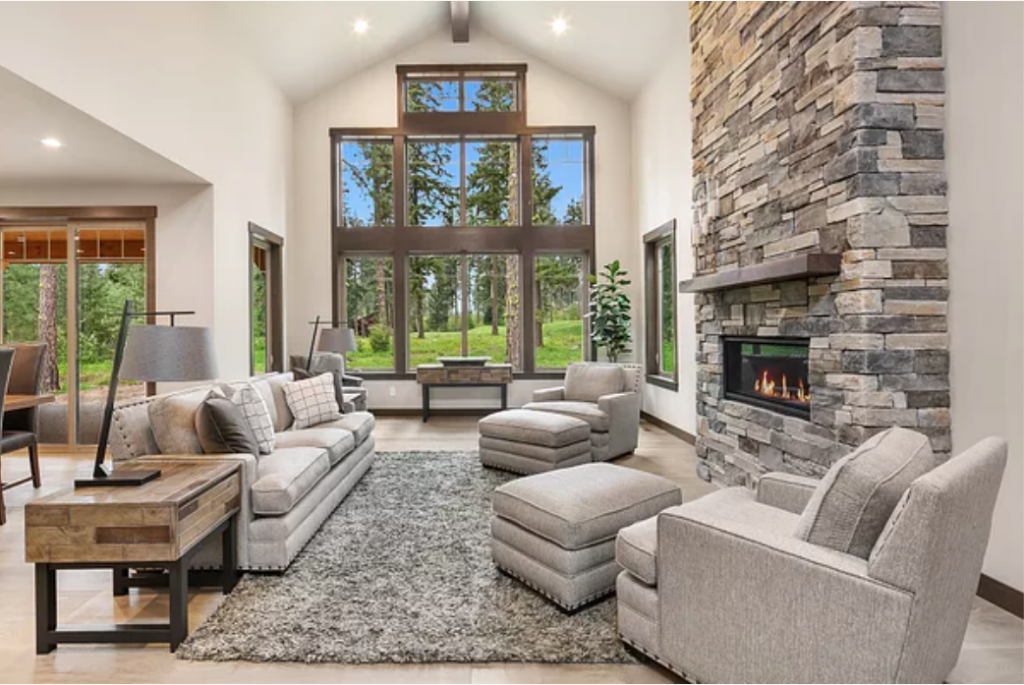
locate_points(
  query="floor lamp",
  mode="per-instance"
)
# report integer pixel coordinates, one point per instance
(154, 354)
(340, 341)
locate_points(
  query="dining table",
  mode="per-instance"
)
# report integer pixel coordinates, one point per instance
(15, 402)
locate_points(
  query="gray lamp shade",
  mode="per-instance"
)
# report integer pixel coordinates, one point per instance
(169, 353)
(339, 340)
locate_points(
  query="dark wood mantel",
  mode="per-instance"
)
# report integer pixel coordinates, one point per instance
(788, 269)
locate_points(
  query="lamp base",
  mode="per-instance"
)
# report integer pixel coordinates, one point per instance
(119, 478)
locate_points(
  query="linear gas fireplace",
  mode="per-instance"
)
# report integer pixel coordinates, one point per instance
(769, 373)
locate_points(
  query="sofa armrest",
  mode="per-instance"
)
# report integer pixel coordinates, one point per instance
(786, 491)
(549, 394)
(209, 556)
(744, 603)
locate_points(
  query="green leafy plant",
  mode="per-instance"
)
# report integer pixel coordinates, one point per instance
(610, 320)
(380, 338)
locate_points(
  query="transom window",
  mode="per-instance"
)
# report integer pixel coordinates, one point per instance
(443, 245)
(455, 90)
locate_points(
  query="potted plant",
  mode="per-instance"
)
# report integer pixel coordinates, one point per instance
(610, 320)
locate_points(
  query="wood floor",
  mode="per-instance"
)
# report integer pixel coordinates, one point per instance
(993, 650)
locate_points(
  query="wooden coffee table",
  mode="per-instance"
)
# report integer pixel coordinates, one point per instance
(153, 526)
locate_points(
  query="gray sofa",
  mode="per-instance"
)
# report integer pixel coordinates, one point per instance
(720, 590)
(606, 396)
(287, 494)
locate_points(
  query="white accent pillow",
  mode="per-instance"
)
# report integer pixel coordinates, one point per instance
(249, 400)
(312, 401)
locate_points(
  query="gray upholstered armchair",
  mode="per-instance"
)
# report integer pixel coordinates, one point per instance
(721, 590)
(606, 396)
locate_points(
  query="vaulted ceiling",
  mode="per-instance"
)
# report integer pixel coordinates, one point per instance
(92, 152)
(306, 47)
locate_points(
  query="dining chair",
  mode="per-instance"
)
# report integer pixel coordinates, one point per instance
(6, 361)
(21, 426)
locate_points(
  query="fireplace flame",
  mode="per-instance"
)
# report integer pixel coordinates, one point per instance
(766, 385)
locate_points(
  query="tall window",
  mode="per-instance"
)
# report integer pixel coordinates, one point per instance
(370, 312)
(460, 192)
(559, 180)
(266, 320)
(660, 293)
(366, 178)
(558, 314)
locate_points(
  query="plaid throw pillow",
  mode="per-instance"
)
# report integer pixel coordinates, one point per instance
(312, 401)
(249, 400)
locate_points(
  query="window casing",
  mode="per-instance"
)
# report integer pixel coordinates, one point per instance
(662, 356)
(458, 189)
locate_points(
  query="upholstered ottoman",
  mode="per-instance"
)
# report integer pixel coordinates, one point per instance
(556, 531)
(533, 442)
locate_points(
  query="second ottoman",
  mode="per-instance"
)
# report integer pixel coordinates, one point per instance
(524, 441)
(556, 531)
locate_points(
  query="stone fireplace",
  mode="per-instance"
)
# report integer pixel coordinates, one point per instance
(821, 124)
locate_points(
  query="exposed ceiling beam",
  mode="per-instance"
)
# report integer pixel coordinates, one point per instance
(460, 21)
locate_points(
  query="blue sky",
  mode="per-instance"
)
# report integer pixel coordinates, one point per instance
(565, 166)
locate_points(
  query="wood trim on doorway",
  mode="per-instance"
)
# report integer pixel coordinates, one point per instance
(275, 319)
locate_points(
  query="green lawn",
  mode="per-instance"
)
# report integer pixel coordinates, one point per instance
(563, 345)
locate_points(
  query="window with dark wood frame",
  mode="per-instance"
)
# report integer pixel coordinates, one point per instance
(661, 331)
(266, 324)
(462, 229)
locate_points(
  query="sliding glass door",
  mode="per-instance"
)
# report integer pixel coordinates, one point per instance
(72, 299)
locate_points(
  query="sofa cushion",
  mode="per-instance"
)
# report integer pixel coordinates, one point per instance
(301, 374)
(284, 476)
(585, 504)
(549, 429)
(598, 421)
(337, 441)
(257, 414)
(312, 401)
(636, 550)
(221, 427)
(359, 423)
(854, 500)
(587, 381)
(173, 420)
(282, 415)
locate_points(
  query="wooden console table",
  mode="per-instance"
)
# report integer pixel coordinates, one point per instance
(153, 526)
(438, 375)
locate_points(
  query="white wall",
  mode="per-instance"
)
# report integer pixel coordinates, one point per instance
(170, 76)
(985, 164)
(662, 178)
(368, 99)
(184, 234)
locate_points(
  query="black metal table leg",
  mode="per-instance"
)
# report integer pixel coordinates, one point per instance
(46, 608)
(504, 396)
(121, 582)
(179, 603)
(228, 567)
(426, 402)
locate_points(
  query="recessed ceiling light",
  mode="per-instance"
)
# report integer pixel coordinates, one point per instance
(360, 27)
(559, 25)
(51, 142)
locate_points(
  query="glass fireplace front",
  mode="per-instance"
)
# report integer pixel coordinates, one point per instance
(768, 372)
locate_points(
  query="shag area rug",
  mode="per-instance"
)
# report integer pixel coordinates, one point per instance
(402, 573)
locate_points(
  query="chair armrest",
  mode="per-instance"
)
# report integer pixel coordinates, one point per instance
(351, 381)
(549, 394)
(744, 603)
(623, 410)
(786, 491)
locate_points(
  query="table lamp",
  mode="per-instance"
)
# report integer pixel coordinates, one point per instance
(150, 353)
(340, 341)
